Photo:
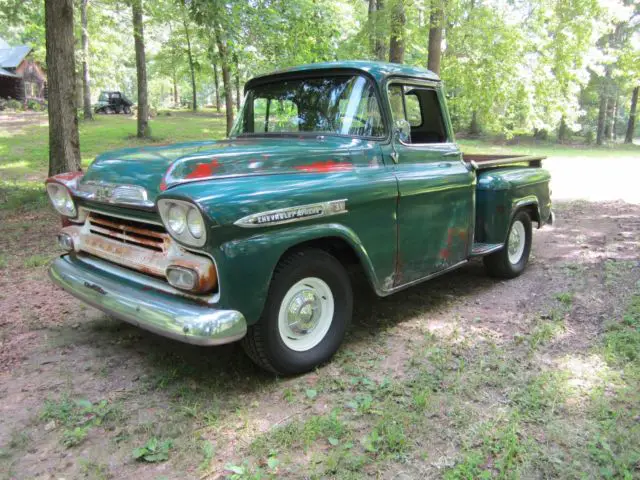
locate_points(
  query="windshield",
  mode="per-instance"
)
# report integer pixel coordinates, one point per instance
(343, 105)
(104, 97)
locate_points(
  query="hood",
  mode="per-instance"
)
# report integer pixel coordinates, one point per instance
(159, 168)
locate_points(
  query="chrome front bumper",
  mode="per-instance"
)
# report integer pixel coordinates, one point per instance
(160, 312)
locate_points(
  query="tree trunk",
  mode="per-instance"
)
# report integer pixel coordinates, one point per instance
(602, 110)
(144, 130)
(474, 127)
(226, 76)
(64, 141)
(194, 100)
(380, 49)
(215, 80)
(175, 89)
(371, 20)
(631, 125)
(396, 41)
(562, 130)
(79, 98)
(435, 39)
(237, 65)
(608, 130)
(86, 81)
(235, 58)
(614, 119)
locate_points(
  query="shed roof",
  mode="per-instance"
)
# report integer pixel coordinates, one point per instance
(12, 57)
(6, 73)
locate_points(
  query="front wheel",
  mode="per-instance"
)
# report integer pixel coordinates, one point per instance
(512, 259)
(308, 309)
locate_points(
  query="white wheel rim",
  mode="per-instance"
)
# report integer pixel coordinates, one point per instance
(517, 240)
(306, 313)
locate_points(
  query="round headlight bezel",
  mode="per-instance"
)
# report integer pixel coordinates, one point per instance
(61, 199)
(185, 209)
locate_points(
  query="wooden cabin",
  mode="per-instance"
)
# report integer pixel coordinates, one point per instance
(21, 77)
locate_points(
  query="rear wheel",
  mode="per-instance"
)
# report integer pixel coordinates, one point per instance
(305, 318)
(512, 259)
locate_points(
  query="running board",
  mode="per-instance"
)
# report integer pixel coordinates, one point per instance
(481, 249)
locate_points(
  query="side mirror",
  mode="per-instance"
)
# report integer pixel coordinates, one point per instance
(402, 131)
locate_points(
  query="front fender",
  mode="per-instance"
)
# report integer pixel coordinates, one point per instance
(246, 266)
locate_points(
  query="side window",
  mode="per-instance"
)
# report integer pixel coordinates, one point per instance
(397, 104)
(421, 108)
(414, 113)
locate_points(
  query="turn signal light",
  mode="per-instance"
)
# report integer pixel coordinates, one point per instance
(182, 278)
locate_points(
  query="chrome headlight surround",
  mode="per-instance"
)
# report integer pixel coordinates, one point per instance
(61, 199)
(181, 218)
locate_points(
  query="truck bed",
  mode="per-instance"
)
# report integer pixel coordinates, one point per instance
(482, 161)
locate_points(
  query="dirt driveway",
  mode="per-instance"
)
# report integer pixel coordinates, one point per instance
(426, 379)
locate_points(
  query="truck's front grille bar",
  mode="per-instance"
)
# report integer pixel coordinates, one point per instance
(130, 232)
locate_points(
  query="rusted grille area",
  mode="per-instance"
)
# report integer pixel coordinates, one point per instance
(129, 232)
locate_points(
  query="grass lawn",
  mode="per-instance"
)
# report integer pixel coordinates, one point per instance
(24, 149)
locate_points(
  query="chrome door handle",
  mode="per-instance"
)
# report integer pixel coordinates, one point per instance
(444, 165)
(451, 154)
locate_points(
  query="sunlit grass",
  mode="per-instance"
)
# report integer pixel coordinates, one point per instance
(25, 151)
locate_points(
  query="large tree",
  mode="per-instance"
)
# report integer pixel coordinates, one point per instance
(631, 124)
(86, 80)
(192, 68)
(397, 38)
(144, 130)
(64, 141)
(435, 37)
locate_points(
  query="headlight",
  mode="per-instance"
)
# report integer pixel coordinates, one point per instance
(195, 223)
(61, 199)
(177, 218)
(183, 221)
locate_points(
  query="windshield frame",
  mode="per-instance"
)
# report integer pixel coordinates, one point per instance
(311, 74)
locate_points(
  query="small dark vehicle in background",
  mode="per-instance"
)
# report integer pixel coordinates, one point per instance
(113, 102)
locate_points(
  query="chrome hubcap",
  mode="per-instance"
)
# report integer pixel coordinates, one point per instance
(305, 314)
(516, 243)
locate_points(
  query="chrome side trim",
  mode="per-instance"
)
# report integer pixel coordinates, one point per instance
(283, 216)
(167, 315)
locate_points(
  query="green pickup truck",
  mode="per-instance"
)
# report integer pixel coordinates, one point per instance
(331, 169)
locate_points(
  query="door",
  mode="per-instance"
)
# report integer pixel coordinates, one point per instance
(436, 190)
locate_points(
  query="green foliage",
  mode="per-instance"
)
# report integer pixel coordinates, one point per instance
(77, 416)
(153, 451)
(518, 66)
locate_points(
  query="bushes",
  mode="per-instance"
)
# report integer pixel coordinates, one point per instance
(13, 104)
(35, 105)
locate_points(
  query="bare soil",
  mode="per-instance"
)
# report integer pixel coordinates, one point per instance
(52, 347)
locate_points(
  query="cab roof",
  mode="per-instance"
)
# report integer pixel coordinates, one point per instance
(378, 70)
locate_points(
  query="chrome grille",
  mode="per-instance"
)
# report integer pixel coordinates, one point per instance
(129, 232)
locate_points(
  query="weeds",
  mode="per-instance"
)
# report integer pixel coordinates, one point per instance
(78, 417)
(153, 451)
